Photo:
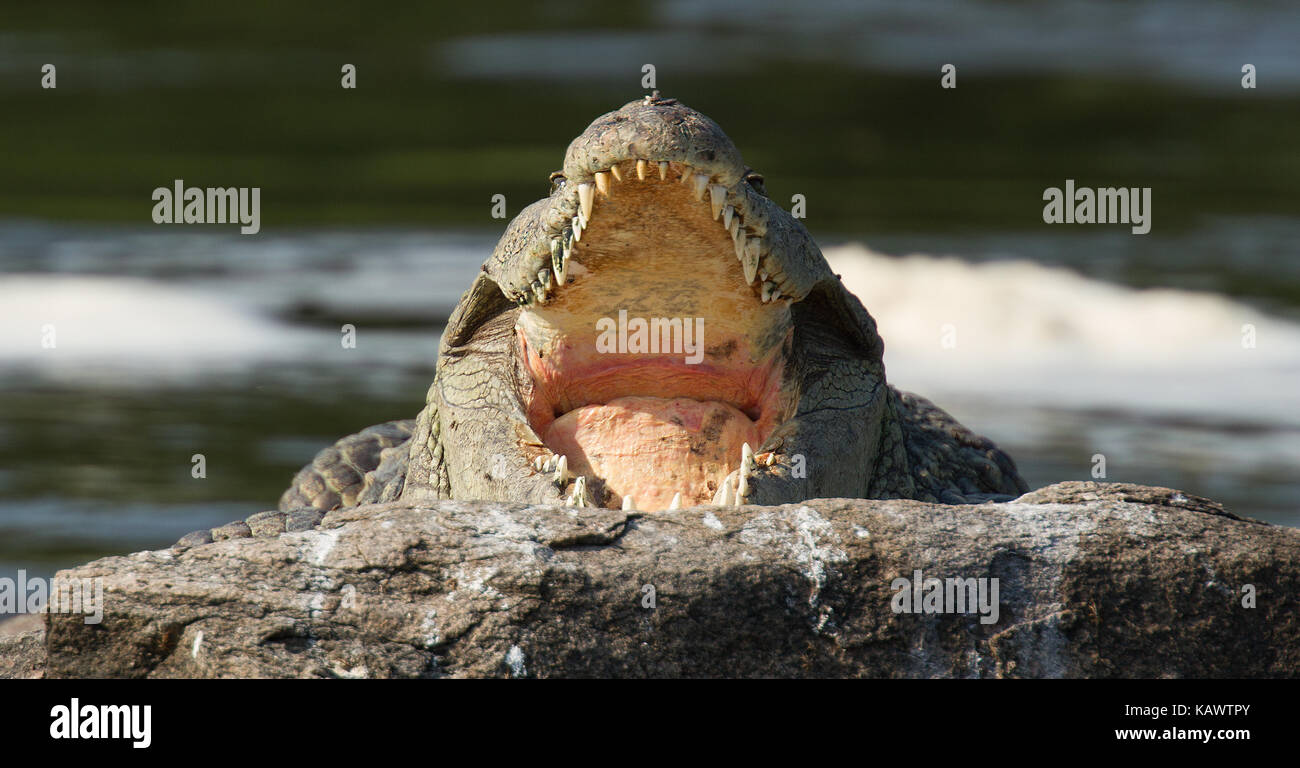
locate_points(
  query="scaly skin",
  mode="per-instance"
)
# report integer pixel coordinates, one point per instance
(835, 415)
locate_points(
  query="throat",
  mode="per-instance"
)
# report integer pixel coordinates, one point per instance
(653, 448)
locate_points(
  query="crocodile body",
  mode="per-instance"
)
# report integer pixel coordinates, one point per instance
(655, 216)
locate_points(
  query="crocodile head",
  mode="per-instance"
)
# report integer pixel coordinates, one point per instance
(654, 315)
(659, 332)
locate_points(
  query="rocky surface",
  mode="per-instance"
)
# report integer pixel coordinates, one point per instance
(22, 646)
(1094, 580)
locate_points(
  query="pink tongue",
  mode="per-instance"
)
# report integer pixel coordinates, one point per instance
(651, 448)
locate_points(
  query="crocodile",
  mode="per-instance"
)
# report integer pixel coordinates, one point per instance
(657, 333)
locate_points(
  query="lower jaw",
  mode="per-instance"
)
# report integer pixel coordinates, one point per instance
(652, 448)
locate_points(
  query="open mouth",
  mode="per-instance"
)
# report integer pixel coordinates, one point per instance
(656, 343)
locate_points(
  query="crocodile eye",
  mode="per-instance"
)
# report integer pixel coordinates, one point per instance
(756, 181)
(557, 181)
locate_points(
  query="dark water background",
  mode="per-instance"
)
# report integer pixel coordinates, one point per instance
(375, 211)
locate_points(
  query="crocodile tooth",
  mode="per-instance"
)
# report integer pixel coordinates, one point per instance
(628, 503)
(749, 258)
(577, 229)
(746, 465)
(538, 462)
(575, 498)
(562, 269)
(723, 497)
(602, 184)
(618, 175)
(579, 496)
(557, 260)
(562, 470)
(586, 195)
(727, 213)
(739, 243)
(734, 227)
(641, 166)
(663, 170)
(549, 464)
(545, 278)
(676, 502)
(687, 173)
(701, 183)
(752, 246)
(539, 293)
(717, 196)
(769, 291)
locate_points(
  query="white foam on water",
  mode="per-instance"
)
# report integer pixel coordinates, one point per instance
(110, 322)
(1045, 335)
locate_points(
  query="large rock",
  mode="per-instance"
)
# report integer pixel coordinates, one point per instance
(1094, 580)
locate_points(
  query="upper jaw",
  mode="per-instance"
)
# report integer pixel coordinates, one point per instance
(735, 208)
(655, 129)
(531, 262)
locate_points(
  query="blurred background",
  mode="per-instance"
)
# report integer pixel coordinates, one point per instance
(1072, 341)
